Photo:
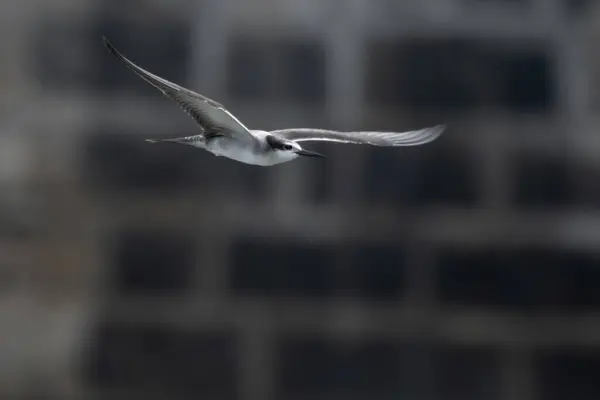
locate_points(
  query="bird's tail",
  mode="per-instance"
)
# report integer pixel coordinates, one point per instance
(190, 140)
(154, 141)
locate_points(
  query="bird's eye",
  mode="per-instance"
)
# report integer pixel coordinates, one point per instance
(287, 147)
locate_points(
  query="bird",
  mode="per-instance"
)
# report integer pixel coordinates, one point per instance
(222, 134)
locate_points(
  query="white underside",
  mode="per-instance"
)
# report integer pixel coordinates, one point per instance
(243, 153)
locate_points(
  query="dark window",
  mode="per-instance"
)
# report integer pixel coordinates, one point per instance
(467, 374)
(281, 69)
(447, 177)
(543, 182)
(459, 74)
(303, 71)
(152, 263)
(377, 272)
(478, 277)
(250, 65)
(517, 279)
(320, 188)
(576, 8)
(164, 362)
(317, 367)
(280, 268)
(528, 82)
(72, 56)
(311, 366)
(122, 160)
(422, 177)
(393, 179)
(569, 375)
(585, 180)
(419, 74)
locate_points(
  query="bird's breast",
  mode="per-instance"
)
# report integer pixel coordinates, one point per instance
(242, 152)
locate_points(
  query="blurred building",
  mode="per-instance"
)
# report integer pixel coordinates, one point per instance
(465, 269)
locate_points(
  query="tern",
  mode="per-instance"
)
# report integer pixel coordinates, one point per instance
(224, 135)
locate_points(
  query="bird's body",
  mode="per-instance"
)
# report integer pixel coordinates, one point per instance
(254, 153)
(224, 135)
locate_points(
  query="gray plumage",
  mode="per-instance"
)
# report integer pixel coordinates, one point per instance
(384, 139)
(224, 135)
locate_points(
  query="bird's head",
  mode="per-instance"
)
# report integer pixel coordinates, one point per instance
(290, 148)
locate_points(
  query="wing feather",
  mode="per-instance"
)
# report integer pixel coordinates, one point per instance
(373, 138)
(208, 113)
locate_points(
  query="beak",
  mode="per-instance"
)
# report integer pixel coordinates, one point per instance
(308, 153)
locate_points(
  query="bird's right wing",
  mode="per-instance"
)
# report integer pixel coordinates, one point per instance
(384, 139)
(208, 113)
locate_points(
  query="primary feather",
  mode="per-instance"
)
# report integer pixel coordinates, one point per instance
(374, 138)
(209, 114)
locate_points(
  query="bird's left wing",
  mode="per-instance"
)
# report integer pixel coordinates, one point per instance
(384, 139)
(208, 113)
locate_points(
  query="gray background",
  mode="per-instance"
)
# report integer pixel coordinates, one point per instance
(465, 269)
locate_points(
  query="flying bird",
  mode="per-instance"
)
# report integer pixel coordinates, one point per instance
(224, 135)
